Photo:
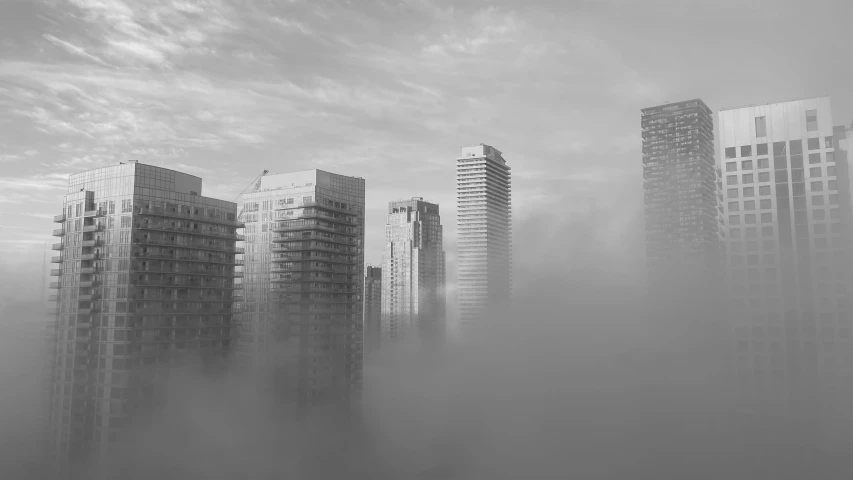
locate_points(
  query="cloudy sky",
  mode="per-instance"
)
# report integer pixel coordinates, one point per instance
(384, 89)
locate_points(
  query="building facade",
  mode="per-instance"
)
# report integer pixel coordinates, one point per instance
(413, 291)
(145, 277)
(301, 313)
(372, 308)
(484, 238)
(785, 198)
(681, 196)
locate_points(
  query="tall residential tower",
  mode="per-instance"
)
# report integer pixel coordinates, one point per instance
(301, 315)
(144, 278)
(413, 295)
(372, 308)
(484, 238)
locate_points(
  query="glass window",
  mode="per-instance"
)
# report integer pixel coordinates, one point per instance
(731, 166)
(766, 218)
(749, 218)
(764, 190)
(746, 165)
(833, 185)
(731, 152)
(734, 219)
(796, 147)
(814, 143)
(746, 151)
(763, 163)
(749, 192)
(833, 199)
(766, 203)
(731, 180)
(796, 161)
(827, 142)
(781, 176)
(780, 163)
(817, 200)
(814, 158)
(761, 149)
(830, 171)
(734, 206)
(778, 149)
(747, 178)
(760, 126)
(830, 156)
(764, 176)
(811, 120)
(817, 186)
(799, 203)
(749, 205)
(814, 172)
(819, 214)
(731, 193)
(833, 213)
(767, 232)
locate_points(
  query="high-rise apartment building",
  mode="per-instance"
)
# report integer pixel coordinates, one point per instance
(372, 308)
(301, 315)
(144, 278)
(413, 290)
(681, 196)
(788, 250)
(484, 237)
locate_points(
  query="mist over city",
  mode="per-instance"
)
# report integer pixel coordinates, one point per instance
(425, 239)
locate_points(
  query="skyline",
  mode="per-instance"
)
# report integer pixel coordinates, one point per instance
(559, 91)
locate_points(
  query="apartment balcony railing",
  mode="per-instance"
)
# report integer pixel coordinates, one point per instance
(186, 231)
(93, 228)
(59, 232)
(281, 248)
(53, 298)
(83, 338)
(219, 219)
(167, 283)
(83, 325)
(314, 236)
(237, 275)
(291, 206)
(56, 246)
(94, 213)
(88, 283)
(89, 256)
(88, 270)
(172, 256)
(59, 218)
(86, 311)
(180, 271)
(87, 297)
(92, 243)
(55, 272)
(54, 285)
(300, 288)
(294, 228)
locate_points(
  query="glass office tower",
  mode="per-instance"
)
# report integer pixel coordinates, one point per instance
(413, 296)
(484, 239)
(144, 278)
(788, 249)
(301, 314)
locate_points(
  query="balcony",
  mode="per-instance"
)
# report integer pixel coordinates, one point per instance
(59, 232)
(54, 285)
(237, 275)
(89, 256)
(52, 298)
(92, 243)
(55, 272)
(59, 218)
(56, 246)
(93, 228)
(86, 311)
(87, 297)
(220, 219)
(83, 338)
(239, 237)
(94, 213)
(88, 283)
(88, 270)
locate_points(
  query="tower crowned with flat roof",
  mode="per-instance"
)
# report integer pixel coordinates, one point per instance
(413, 297)
(484, 238)
(301, 314)
(144, 279)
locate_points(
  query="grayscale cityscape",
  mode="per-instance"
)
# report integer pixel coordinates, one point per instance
(424, 239)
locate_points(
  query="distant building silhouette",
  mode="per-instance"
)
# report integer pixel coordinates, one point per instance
(372, 308)
(144, 278)
(301, 314)
(484, 237)
(413, 263)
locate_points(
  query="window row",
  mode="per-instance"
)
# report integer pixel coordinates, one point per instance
(779, 148)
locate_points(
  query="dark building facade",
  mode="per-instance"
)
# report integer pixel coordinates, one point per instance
(372, 308)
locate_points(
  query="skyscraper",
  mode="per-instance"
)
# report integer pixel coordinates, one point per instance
(681, 196)
(145, 278)
(413, 295)
(788, 257)
(372, 308)
(301, 315)
(484, 222)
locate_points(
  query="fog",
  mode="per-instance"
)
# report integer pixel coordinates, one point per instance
(575, 378)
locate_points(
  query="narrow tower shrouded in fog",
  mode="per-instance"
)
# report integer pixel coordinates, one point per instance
(413, 296)
(301, 315)
(144, 278)
(681, 196)
(372, 308)
(484, 237)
